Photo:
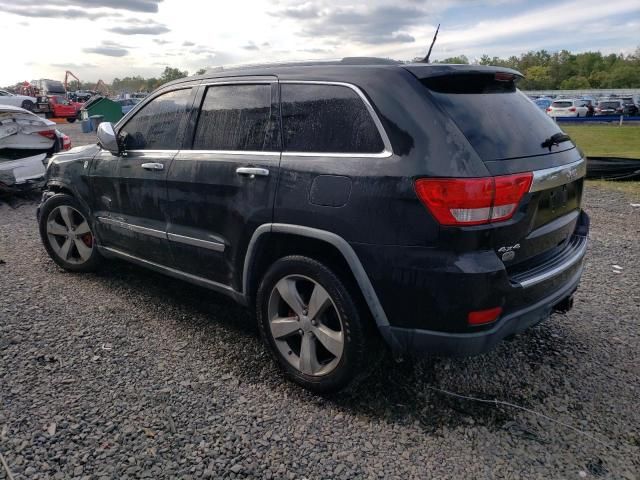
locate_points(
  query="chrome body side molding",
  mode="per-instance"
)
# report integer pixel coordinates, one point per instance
(133, 228)
(173, 237)
(196, 242)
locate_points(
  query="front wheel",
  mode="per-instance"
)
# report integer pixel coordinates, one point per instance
(66, 234)
(28, 105)
(312, 324)
(71, 119)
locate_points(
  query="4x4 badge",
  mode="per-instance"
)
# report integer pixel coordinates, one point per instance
(508, 253)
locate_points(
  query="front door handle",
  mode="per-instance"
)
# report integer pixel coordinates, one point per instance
(153, 166)
(252, 172)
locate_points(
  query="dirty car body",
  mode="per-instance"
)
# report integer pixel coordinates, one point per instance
(449, 202)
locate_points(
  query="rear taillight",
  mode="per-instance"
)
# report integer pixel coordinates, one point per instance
(66, 142)
(473, 201)
(572, 109)
(549, 109)
(48, 133)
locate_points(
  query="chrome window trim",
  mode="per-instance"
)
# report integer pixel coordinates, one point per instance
(264, 81)
(169, 151)
(386, 152)
(230, 152)
(196, 242)
(556, 176)
(152, 232)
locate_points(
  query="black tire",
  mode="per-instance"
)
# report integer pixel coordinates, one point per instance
(71, 119)
(88, 259)
(351, 365)
(28, 105)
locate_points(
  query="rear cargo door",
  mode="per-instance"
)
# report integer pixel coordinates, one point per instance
(512, 135)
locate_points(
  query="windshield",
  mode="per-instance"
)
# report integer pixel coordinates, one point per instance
(499, 121)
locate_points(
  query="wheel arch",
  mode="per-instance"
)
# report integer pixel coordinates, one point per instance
(274, 240)
(55, 187)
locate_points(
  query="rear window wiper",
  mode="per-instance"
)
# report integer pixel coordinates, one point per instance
(555, 139)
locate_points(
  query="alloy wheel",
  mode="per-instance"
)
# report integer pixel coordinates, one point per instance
(69, 235)
(306, 325)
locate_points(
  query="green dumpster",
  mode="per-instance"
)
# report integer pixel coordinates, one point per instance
(110, 110)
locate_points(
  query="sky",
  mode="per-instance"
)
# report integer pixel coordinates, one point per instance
(103, 39)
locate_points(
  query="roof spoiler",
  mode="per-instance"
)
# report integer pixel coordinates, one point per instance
(422, 70)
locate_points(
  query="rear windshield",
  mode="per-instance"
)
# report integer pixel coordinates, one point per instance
(499, 121)
(609, 104)
(562, 104)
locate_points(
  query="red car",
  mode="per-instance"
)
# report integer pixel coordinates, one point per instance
(60, 107)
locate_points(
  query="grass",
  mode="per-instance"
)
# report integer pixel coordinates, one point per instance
(606, 140)
(630, 188)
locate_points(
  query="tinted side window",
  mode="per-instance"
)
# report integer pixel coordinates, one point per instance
(236, 117)
(327, 119)
(160, 124)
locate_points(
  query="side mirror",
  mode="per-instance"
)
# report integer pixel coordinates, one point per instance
(107, 138)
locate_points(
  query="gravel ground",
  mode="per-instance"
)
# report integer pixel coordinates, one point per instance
(129, 374)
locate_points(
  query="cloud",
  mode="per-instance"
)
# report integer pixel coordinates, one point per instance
(160, 41)
(299, 12)
(188, 44)
(139, 29)
(73, 66)
(251, 46)
(539, 20)
(48, 12)
(149, 6)
(109, 49)
(374, 23)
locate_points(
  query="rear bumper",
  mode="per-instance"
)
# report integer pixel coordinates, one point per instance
(427, 342)
(427, 294)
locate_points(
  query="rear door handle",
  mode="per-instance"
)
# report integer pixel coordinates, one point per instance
(252, 172)
(153, 166)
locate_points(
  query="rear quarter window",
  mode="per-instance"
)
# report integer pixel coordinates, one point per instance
(319, 118)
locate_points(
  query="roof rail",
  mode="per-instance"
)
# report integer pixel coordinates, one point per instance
(302, 63)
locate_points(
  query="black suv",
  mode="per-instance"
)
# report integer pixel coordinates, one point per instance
(433, 206)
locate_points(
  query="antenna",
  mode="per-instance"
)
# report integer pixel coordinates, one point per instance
(426, 59)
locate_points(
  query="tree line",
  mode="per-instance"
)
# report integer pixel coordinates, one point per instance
(564, 70)
(543, 70)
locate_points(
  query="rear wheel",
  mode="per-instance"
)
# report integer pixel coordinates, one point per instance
(67, 236)
(312, 325)
(71, 119)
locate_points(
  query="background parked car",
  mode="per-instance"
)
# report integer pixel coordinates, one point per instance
(629, 106)
(609, 107)
(23, 101)
(567, 108)
(26, 142)
(543, 103)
